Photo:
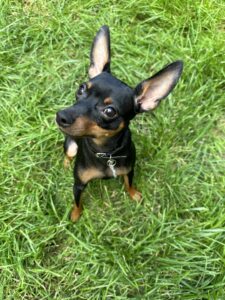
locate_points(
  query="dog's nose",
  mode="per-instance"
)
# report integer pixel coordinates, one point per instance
(63, 118)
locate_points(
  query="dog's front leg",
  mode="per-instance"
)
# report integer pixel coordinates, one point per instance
(128, 179)
(78, 189)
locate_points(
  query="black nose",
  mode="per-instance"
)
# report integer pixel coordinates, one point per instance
(63, 118)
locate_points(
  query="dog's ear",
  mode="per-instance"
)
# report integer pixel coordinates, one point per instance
(100, 53)
(149, 92)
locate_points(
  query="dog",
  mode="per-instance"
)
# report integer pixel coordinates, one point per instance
(97, 125)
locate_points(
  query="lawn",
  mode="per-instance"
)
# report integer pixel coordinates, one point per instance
(172, 245)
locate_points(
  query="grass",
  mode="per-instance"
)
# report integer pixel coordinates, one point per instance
(172, 246)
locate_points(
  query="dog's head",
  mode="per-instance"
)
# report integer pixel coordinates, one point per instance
(105, 105)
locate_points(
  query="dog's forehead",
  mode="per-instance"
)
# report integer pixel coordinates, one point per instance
(110, 86)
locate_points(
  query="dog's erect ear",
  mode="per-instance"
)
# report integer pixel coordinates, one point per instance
(149, 92)
(100, 52)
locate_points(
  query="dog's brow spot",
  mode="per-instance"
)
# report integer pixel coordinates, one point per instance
(108, 100)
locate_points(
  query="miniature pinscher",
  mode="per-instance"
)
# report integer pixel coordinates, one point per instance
(97, 125)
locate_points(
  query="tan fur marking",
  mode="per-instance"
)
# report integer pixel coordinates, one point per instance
(67, 161)
(84, 126)
(92, 71)
(122, 171)
(76, 213)
(87, 175)
(72, 150)
(134, 194)
(89, 84)
(108, 101)
(101, 132)
(101, 139)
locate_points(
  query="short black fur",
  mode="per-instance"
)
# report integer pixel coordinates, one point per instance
(98, 123)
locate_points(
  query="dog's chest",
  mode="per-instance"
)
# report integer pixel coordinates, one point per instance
(93, 173)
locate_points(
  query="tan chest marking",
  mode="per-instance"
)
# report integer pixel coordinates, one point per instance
(89, 174)
(122, 171)
(118, 171)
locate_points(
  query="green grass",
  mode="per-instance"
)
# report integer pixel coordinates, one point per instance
(172, 246)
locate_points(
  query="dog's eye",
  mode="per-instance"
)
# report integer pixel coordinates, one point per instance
(81, 89)
(109, 111)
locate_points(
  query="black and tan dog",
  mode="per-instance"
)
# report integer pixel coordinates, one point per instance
(97, 125)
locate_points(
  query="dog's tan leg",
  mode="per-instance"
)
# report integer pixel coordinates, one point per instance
(134, 194)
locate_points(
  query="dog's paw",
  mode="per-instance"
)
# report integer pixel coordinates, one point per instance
(135, 195)
(75, 213)
(67, 161)
(71, 150)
